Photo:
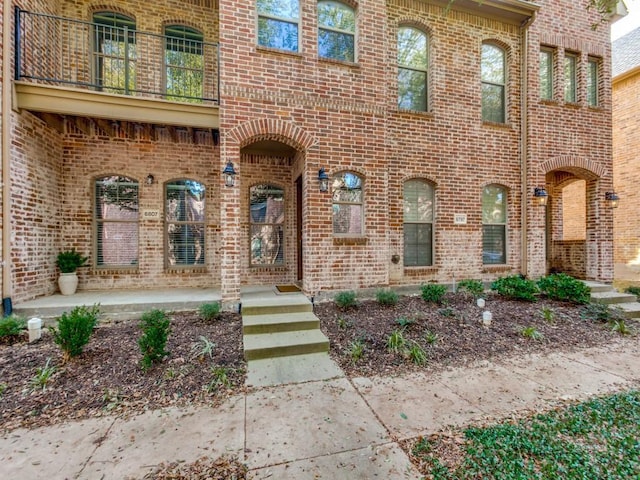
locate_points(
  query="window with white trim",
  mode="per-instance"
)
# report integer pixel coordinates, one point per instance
(413, 69)
(418, 223)
(116, 216)
(336, 31)
(347, 204)
(184, 223)
(494, 225)
(184, 63)
(278, 24)
(266, 205)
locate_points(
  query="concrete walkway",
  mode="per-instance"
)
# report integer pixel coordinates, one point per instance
(332, 429)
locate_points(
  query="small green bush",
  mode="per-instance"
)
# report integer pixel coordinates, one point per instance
(634, 290)
(155, 327)
(387, 297)
(560, 286)
(12, 325)
(75, 329)
(432, 292)
(474, 287)
(70, 260)
(210, 311)
(516, 287)
(345, 299)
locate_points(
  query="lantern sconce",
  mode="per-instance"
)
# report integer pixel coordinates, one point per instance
(323, 180)
(612, 199)
(150, 179)
(540, 196)
(229, 174)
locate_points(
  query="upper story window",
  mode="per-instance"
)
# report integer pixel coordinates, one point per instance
(336, 31)
(418, 223)
(116, 221)
(546, 74)
(267, 224)
(413, 69)
(184, 63)
(493, 74)
(570, 78)
(114, 40)
(278, 24)
(494, 225)
(347, 204)
(593, 82)
(184, 223)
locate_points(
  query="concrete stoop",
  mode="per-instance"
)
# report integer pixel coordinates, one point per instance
(606, 294)
(283, 343)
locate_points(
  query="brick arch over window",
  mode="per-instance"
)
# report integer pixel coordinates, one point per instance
(582, 167)
(270, 129)
(109, 7)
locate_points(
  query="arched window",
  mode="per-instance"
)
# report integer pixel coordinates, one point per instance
(116, 222)
(184, 63)
(184, 223)
(266, 205)
(336, 31)
(348, 218)
(114, 43)
(278, 24)
(493, 72)
(413, 69)
(418, 223)
(494, 225)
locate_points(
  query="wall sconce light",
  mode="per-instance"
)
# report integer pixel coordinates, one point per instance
(229, 174)
(323, 180)
(540, 196)
(612, 199)
(150, 179)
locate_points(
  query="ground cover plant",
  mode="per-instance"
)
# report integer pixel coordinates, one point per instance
(596, 439)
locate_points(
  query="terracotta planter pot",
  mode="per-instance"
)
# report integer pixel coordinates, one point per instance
(68, 283)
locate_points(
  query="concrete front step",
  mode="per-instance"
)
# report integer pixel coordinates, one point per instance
(279, 322)
(282, 344)
(597, 287)
(631, 310)
(264, 308)
(612, 297)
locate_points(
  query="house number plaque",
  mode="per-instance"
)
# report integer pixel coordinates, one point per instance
(151, 214)
(460, 218)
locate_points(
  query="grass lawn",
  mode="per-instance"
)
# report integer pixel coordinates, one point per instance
(598, 439)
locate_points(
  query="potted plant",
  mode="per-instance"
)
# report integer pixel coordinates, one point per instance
(68, 262)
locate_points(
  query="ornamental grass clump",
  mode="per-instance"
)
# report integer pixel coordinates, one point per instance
(74, 330)
(155, 327)
(345, 299)
(12, 326)
(387, 297)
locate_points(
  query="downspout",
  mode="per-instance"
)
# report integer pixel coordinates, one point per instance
(524, 142)
(7, 89)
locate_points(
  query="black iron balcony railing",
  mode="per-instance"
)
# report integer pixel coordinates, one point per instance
(177, 66)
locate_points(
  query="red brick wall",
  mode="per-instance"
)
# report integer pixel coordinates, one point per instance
(626, 169)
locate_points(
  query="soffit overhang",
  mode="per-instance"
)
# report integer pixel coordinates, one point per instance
(515, 12)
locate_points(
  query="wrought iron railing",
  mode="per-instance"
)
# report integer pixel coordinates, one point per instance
(122, 60)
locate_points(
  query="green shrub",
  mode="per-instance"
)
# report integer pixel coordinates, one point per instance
(70, 260)
(634, 290)
(432, 292)
(75, 329)
(155, 331)
(210, 311)
(387, 297)
(12, 325)
(516, 287)
(560, 286)
(474, 287)
(345, 299)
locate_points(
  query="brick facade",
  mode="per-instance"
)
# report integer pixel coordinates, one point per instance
(283, 116)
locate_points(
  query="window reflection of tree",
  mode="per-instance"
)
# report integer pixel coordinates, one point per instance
(184, 215)
(347, 204)
(267, 225)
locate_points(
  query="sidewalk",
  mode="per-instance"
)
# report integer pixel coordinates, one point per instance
(335, 429)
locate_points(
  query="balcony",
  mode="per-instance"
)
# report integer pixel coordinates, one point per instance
(74, 68)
